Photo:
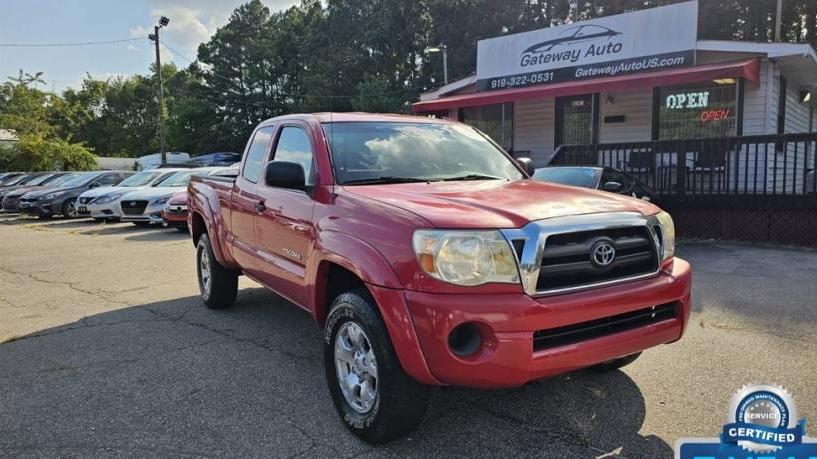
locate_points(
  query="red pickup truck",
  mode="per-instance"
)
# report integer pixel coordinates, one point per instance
(429, 258)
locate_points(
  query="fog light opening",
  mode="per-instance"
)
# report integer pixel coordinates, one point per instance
(464, 340)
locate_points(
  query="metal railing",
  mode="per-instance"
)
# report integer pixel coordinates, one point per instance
(749, 165)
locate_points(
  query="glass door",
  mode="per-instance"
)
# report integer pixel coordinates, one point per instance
(574, 120)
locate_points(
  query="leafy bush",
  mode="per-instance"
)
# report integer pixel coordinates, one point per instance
(33, 153)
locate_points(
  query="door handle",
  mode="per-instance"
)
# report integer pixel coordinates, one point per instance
(260, 206)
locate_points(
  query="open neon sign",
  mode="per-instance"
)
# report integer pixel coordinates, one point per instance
(715, 115)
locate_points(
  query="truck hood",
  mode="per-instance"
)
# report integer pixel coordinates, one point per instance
(497, 204)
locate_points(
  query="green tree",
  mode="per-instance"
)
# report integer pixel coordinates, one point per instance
(34, 153)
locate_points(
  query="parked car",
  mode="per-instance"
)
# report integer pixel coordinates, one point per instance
(103, 204)
(174, 214)
(144, 207)
(215, 159)
(20, 180)
(62, 200)
(429, 258)
(596, 178)
(154, 161)
(11, 199)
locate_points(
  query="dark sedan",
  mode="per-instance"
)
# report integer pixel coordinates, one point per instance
(62, 200)
(10, 199)
(597, 178)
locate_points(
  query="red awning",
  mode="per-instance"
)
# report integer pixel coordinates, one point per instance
(748, 69)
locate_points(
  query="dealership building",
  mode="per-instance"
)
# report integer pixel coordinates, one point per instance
(628, 82)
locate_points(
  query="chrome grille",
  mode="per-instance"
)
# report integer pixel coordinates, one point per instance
(568, 259)
(555, 255)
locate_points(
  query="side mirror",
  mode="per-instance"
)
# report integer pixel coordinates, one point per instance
(527, 165)
(285, 174)
(613, 187)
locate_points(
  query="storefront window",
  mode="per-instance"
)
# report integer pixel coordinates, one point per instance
(494, 120)
(697, 111)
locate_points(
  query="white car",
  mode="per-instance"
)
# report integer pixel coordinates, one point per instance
(144, 207)
(103, 203)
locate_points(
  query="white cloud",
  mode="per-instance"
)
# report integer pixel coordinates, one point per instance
(193, 22)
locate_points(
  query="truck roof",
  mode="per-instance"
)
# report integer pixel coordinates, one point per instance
(346, 117)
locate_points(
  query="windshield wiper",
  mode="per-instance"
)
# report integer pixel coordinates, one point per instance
(473, 177)
(384, 179)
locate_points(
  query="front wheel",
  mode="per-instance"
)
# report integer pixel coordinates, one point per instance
(69, 209)
(218, 285)
(375, 398)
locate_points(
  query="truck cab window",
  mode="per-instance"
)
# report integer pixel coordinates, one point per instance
(294, 146)
(256, 154)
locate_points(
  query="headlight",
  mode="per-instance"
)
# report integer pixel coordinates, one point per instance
(107, 198)
(667, 229)
(466, 257)
(50, 196)
(162, 200)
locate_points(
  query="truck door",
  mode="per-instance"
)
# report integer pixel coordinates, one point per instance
(284, 228)
(245, 200)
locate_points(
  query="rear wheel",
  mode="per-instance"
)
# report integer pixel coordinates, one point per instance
(218, 285)
(375, 398)
(615, 364)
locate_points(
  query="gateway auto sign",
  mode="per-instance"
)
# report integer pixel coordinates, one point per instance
(642, 41)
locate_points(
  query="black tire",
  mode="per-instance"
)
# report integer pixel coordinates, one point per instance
(400, 402)
(141, 224)
(69, 208)
(615, 364)
(223, 282)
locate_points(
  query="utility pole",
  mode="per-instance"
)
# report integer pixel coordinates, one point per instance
(445, 64)
(163, 21)
(440, 49)
(778, 22)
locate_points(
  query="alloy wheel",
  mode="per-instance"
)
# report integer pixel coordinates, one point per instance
(356, 367)
(204, 272)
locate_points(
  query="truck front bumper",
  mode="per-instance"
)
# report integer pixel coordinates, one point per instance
(525, 338)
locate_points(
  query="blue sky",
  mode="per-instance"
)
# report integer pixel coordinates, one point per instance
(71, 21)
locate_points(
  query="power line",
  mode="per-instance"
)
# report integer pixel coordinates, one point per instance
(83, 43)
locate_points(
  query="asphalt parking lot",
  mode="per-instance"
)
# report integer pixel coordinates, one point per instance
(107, 351)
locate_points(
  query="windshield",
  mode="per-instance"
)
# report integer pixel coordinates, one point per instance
(39, 180)
(585, 177)
(140, 179)
(60, 180)
(377, 151)
(16, 180)
(77, 180)
(178, 179)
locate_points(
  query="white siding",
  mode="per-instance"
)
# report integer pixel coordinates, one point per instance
(757, 119)
(533, 123)
(636, 106)
(796, 111)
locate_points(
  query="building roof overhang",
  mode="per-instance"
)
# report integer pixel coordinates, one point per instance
(746, 68)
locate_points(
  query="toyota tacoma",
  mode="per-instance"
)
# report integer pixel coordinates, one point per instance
(430, 258)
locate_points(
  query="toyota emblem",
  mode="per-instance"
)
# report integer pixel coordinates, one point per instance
(602, 254)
